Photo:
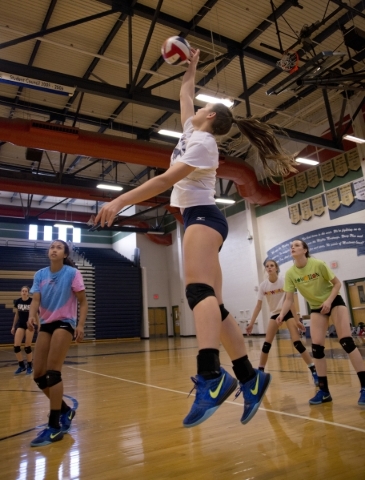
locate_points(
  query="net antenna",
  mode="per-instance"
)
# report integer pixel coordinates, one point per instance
(289, 62)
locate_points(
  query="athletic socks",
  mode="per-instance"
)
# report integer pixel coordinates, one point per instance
(243, 369)
(54, 419)
(361, 376)
(208, 363)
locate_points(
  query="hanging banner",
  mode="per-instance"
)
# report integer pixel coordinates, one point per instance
(290, 187)
(327, 171)
(340, 164)
(347, 197)
(333, 200)
(294, 214)
(359, 187)
(301, 182)
(305, 208)
(353, 159)
(317, 205)
(313, 177)
(324, 239)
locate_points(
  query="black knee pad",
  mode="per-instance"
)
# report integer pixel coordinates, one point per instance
(266, 347)
(299, 346)
(53, 377)
(17, 349)
(348, 344)
(28, 350)
(196, 292)
(318, 351)
(224, 311)
(41, 382)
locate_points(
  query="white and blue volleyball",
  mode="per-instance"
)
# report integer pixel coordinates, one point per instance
(175, 50)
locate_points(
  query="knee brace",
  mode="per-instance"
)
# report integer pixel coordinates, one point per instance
(196, 292)
(53, 377)
(299, 346)
(348, 344)
(224, 311)
(17, 349)
(41, 382)
(266, 347)
(318, 351)
(28, 350)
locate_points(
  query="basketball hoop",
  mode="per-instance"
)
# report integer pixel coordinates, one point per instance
(289, 62)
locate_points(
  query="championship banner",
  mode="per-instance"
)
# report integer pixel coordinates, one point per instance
(359, 187)
(290, 187)
(340, 164)
(333, 200)
(353, 159)
(301, 182)
(305, 208)
(317, 205)
(327, 171)
(294, 214)
(347, 197)
(50, 87)
(324, 239)
(313, 177)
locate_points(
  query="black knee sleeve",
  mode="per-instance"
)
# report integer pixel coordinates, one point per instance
(53, 377)
(196, 292)
(28, 350)
(318, 351)
(299, 346)
(224, 311)
(41, 382)
(17, 349)
(348, 344)
(266, 347)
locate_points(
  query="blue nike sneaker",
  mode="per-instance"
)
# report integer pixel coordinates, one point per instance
(47, 436)
(210, 394)
(66, 419)
(253, 392)
(320, 397)
(361, 401)
(19, 370)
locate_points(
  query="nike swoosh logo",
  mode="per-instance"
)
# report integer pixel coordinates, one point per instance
(218, 389)
(325, 398)
(54, 435)
(256, 389)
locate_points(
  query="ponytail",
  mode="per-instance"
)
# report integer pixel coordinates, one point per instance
(263, 138)
(260, 135)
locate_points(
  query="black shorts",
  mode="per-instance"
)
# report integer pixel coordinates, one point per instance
(21, 324)
(336, 303)
(208, 215)
(52, 326)
(287, 316)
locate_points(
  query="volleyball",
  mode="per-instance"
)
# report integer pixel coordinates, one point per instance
(175, 50)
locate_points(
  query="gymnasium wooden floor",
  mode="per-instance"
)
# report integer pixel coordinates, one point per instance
(132, 399)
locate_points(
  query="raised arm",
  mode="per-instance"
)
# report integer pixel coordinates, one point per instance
(187, 91)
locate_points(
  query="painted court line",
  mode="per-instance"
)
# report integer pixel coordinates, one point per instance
(278, 412)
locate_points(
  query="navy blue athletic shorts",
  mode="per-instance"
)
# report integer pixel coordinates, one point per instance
(208, 215)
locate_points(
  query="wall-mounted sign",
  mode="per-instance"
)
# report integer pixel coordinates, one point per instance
(27, 82)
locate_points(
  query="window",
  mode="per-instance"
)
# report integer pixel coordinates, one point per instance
(47, 236)
(33, 232)
(76, 237)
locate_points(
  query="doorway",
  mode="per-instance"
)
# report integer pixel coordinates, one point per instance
(176, 320)
(356, 295)
(157, 322)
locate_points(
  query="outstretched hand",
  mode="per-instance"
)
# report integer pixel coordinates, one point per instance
(108, 212)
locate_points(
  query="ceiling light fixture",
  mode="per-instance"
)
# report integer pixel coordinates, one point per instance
(208, 99)
(63, 225)
(170, 133)
(225, 200)
(308, 161)
(155, 232)
(351, 138)
(105, 186)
